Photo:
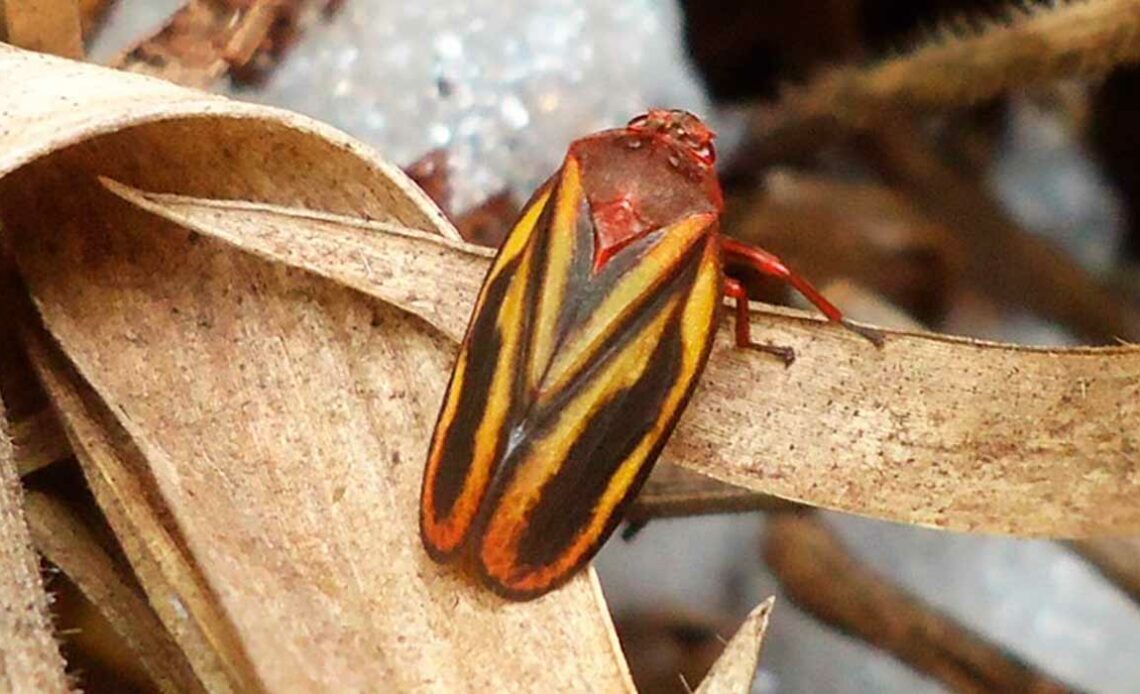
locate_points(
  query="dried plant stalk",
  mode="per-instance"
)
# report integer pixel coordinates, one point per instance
(820, 576)
(1117, 558)
(29, 657)
(1068, 39)
(931, 430)
(65, 540)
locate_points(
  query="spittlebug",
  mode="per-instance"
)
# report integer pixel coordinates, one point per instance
(589, 333)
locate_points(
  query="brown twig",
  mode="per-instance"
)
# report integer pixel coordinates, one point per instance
(867, 232)
(820, 576)
(1045, 44)
(1117, 559)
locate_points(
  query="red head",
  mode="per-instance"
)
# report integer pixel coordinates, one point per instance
(681, 129)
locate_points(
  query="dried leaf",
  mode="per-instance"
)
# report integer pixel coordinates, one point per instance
(29, 657)
(117, 475)
(64, 539)
(38, 441)
(736, 667)
(51, 26)
(931, 429)
(254, 434)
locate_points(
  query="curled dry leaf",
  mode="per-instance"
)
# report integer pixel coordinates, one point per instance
(931, 430)
(254, 434)
(29, 658)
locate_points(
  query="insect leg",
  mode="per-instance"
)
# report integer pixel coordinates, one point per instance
(735, 290)
(768, 264)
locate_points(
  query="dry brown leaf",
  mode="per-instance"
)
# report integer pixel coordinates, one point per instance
(51, 26)
(37, 438)
(672, 491)
(29, 657)
(206, 39)
(254, 433)
(117, 475)
(37, 441)
(736, 667)
(932, 430)
(64, 539)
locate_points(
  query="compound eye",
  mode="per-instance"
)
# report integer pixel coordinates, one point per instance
(707, 152)
(638, 122)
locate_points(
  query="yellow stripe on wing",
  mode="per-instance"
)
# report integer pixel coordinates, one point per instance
(626, 297)
(561, 246)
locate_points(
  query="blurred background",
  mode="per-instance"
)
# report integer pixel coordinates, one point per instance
(942, 218)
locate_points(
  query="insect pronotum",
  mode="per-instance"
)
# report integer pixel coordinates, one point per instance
(589, 333)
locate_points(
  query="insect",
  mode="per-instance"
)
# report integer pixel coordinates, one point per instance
(591, 328)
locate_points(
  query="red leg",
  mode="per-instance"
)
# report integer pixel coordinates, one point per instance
(768, 264)
(733, 289)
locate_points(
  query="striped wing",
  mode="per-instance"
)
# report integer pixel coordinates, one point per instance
(567, 385)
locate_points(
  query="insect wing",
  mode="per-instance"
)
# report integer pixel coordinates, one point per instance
(608, 399)
(566, 387)
(471, 432)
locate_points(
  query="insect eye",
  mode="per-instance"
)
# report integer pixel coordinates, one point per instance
(707, 152)
(639, 121)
